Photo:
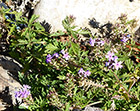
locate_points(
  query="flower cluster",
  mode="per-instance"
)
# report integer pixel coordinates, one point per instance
(65, 55)
(23, 93)
(96, 41)
(113, 61)
(84, 73)
(50, 57)
(125, 38)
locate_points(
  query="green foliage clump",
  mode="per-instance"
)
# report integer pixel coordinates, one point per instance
(58, 84)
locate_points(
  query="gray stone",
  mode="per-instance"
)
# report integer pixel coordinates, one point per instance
(11, 65)
(88, 108)
(54, 11)
(8, 81)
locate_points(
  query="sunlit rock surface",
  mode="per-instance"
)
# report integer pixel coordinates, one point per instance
(8, 82)
(54, 11)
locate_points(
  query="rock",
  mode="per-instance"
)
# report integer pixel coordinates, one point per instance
(54, 11)
(8, 81)
(25, 6)
(88, 108)
(92, 109)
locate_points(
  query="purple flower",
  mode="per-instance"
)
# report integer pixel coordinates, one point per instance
(115, 58)
(92, 41)
(124, 39)
(72, 17)
(96, 41)
(62, 51)
(81, 71)
(55, 55)
(128, 35)
(107, 64)
(66, 56)
(87, 73)
(113, 61)
(48, 58)
(117, 65)
(110, 55)
(84, 73)
(23, 93)
(26, 87)
(17, 94)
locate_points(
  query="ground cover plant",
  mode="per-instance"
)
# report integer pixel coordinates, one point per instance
(62, 72)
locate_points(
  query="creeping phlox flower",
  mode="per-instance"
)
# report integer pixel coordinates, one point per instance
(55, 55)
(110, 55)
(113, 61)
(65, 54)
(50, 57)
(117, 65)
(84, 73)
(96, 41)
(92, 41)
(125, 38)
(23, 93)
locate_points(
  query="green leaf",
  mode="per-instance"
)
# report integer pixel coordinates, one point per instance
(38, 26)
(74, 34)
(22, 41)
(75, 48)
(33, 18)
(75, 90)
(80, 31)
(125, 96)
(59, 33)
(51, 47)
(0, 35)
(67, 106)
(62, 86)
(61, 77)
(18, 16)
(22, 107)
(129, 64)
(12, 29)
(25, 32)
